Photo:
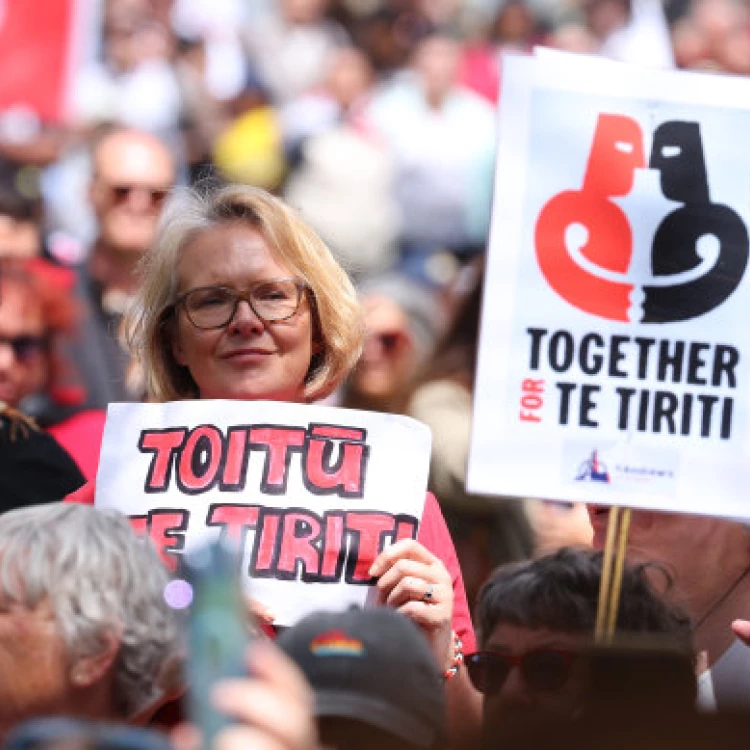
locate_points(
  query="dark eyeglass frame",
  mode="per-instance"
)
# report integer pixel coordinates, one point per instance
(26, 347)
(46, 731)
(246, 296)
(500, 665)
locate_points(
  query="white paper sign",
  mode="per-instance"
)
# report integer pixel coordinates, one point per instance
(614, 362)
(311, 493)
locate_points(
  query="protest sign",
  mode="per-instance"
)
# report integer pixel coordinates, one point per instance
(311, 494)
(613, 363)
(42, 45)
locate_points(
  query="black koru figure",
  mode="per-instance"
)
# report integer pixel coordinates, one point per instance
(678, 153)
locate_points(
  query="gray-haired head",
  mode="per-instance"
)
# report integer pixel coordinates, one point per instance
(101, 581)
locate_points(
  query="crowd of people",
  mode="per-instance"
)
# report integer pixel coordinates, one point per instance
(289, 200)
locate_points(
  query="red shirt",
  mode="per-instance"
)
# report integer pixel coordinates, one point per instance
(433, 535)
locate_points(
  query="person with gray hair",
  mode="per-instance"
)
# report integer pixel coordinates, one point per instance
(85, 630)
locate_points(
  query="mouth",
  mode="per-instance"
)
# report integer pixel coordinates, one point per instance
(247, 353)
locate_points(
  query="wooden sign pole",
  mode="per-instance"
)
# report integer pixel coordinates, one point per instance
(613, 564)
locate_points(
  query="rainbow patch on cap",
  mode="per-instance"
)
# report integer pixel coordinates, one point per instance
(336, 643)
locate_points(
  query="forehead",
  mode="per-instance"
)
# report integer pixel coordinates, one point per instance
(134, 159)
(20, 310)
(232, 253)
(517, 639)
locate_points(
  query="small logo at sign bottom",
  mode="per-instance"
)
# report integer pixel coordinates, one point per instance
(622, 467)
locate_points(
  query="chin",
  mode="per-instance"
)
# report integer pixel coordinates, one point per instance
(255, 394)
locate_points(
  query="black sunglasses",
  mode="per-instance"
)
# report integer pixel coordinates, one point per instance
(121, 193)
(543, 669)
(25, 348)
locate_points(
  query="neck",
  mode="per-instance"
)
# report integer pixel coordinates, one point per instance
(713, 631)
(95, 703)
(113, 269)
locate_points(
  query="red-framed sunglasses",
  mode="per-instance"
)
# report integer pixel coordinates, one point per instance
(543, 669)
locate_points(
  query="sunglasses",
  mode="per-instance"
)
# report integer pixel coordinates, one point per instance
(25, 348)
(121, 194)
(543, 669)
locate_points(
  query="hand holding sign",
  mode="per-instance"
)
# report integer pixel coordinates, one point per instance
(415, 582)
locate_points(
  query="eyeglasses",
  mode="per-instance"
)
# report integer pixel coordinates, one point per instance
(543, 669)
(121, 193)
(25, 348)
(215, 306)
(53, 731)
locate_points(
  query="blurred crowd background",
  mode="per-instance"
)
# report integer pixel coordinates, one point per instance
(374, 118)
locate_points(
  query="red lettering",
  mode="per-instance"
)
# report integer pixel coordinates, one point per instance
(532, 385)
(346, 476)
(234, 519)
(300, 531)
(278, 442)
(235, 464)
(334, 551)
(200, 459)
(166, 529)
(531, 399)
(163, 444)
(406, 528)
(266, 548)
(369, 531)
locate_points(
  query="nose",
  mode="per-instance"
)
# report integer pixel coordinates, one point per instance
(139, 199)
(245, 319)
(514, 691)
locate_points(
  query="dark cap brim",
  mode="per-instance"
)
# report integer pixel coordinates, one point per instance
(370, 709)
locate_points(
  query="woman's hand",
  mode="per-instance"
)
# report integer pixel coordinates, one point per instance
(415, 582)
(273, 709)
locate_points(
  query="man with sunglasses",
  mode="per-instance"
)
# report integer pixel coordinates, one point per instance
(535, 618)
(133, 173)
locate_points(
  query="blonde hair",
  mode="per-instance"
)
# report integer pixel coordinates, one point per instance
(149, 324)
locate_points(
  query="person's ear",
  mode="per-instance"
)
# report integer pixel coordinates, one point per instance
(172, 334)
(90, 670)
(177, 352)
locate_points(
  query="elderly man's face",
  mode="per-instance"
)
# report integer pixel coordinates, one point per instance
(23, 355)
(34, 674)
(132, 176)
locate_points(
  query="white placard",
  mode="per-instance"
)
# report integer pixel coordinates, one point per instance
(311, 493)
(614, 350)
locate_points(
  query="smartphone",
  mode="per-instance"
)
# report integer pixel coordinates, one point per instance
(218, 630)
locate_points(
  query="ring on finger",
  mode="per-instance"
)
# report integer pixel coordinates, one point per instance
(427, 596)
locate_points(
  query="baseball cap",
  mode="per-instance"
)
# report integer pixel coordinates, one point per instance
(371, 665)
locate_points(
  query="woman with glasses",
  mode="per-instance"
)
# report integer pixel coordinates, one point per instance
(240, 299)
(535, 618)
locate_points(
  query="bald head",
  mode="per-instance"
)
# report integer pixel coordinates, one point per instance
(132, 173)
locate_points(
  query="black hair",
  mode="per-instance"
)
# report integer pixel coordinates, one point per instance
(560, 592)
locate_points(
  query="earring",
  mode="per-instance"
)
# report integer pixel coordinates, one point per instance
(79, 675)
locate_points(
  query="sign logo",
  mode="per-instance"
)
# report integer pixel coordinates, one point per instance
(584, 240)
(593, 470)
